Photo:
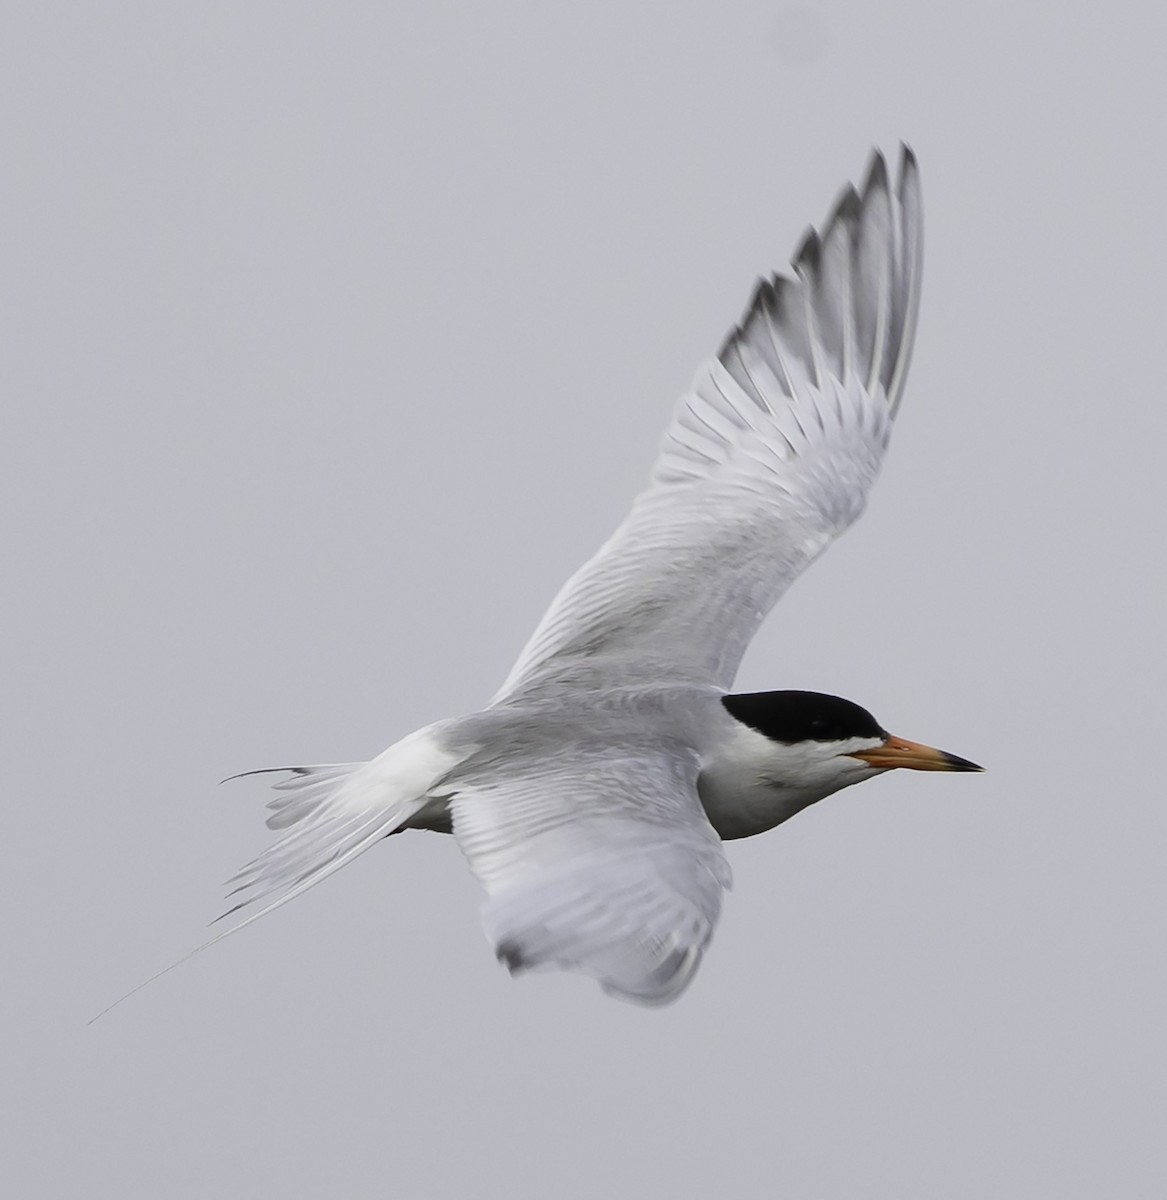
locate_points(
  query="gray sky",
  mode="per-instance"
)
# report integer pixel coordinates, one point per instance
(335, 337)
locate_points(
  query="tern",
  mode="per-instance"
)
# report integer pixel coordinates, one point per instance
(593, 794)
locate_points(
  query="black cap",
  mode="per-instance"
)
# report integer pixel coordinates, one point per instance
(791, 717)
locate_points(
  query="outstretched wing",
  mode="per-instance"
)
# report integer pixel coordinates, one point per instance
(597, 860)
(769, 457)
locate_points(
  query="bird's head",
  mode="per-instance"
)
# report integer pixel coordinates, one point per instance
(819, 744)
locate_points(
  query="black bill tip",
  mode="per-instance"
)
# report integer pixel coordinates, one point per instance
(954, 763)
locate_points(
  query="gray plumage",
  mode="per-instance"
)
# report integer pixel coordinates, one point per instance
(582, 795)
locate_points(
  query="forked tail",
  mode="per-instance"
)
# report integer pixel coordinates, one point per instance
(331, 813)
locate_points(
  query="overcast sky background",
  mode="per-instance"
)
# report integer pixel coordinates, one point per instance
(334, 338)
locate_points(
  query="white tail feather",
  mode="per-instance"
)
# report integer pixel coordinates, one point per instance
(333, 812)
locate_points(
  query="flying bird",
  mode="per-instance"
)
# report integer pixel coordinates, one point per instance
(593, 794)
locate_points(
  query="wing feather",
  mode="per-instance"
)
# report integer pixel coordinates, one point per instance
(770, 456)
(601, 861)
(905, 306)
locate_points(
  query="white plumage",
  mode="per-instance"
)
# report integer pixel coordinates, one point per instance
(769, 457)
(582, 795)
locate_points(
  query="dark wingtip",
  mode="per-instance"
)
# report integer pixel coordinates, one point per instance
(908, 163)
(875, 178)
(876, 174)
(846, 209)
(806, 258)
(510, 954)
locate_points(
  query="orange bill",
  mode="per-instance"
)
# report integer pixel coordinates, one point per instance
(899, 752)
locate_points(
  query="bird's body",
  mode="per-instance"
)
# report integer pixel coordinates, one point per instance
(592, 795)
(744, 786)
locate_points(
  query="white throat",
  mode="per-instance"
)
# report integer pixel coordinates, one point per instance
(751, 783)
